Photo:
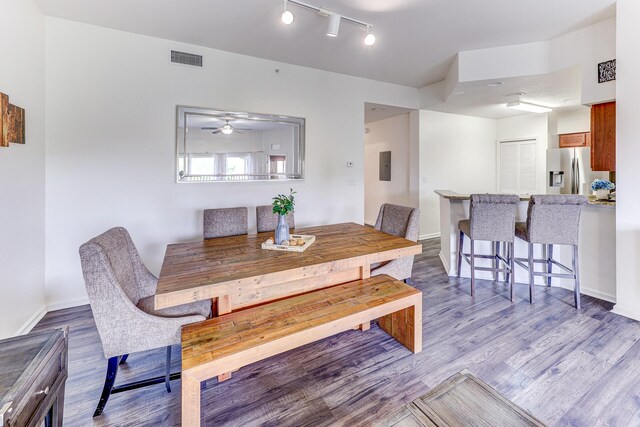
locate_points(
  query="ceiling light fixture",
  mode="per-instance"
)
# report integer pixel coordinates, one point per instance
(287, 16)
(334, 20)
(369, 39)
(531, 108)
(334, 25)
(227, 129)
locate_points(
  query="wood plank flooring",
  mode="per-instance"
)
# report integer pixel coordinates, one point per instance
(567, 367)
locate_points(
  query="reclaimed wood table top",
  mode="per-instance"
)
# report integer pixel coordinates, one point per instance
(462, 400)
(212, 268)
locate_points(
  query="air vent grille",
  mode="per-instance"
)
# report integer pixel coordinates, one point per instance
(186, 58)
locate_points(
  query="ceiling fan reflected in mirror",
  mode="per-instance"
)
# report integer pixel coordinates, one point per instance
(225, 129)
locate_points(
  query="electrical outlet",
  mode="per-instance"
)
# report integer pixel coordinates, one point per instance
(351, 181)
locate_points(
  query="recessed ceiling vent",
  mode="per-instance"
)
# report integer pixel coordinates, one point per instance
(186, 58)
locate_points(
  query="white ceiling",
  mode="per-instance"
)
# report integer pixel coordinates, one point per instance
(416, 39)
(375, 112)
(559, 91)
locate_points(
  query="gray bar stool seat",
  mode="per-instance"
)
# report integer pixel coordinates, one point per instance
(492, 218)
(552, 220)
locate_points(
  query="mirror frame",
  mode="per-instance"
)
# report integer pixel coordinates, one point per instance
(182, 110)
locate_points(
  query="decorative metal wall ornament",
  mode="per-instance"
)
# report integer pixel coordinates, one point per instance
(607, 71)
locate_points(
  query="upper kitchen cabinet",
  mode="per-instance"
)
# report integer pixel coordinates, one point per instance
(603, 137)
(570, 140)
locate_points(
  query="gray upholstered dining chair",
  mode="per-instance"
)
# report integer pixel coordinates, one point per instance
(225, 222)
(400, 221)
(266, 220)
(492, 218)
(121, 294)
(552, 220)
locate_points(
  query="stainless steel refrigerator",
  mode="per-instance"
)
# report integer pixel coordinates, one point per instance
(576, 165)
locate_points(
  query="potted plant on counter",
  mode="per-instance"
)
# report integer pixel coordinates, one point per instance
(601, 188)
(283, 205)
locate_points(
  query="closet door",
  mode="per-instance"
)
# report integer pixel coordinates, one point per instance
(518, 167)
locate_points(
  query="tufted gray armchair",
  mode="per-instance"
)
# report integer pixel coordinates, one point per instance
(121, 294)
(401, 221)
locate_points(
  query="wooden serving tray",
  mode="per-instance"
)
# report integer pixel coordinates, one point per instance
(308, 240)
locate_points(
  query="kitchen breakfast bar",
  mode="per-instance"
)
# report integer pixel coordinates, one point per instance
(597, 245)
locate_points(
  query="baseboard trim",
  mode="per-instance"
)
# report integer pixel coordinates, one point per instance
(445, 263)
(598, 294)
(428, 236)
(32, 321)
(61, 305)
(631, 313)
(371, 223)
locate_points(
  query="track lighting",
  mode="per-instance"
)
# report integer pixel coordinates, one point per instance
(334, 20)
(334, 25)
(287, 16)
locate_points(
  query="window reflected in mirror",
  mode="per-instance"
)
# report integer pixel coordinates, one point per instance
(217, 146)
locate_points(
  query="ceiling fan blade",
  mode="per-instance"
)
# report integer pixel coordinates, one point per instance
(209, 128)
(242, 128)
(216, 131)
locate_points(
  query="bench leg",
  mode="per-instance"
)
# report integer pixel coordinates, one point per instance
(405, 326)
(224, 377)
(365, 326)
(190, 401)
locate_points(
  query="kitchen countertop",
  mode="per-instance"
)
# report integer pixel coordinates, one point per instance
(452, 195)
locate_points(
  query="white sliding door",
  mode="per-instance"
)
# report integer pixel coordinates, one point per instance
(518, 167)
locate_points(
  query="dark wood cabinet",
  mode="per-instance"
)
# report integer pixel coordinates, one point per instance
(33, 371)
(603, 137)
(579, 139)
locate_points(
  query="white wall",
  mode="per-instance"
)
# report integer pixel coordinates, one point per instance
(528, 126)
(390, 134)
(628, 153)
(22, 169)
(457, 153)
(111, 102)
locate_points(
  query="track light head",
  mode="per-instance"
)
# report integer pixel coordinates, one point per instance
(369, 39)
(334, 25)
(287, 17)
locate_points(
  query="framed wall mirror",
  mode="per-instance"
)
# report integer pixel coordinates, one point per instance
(220, 146)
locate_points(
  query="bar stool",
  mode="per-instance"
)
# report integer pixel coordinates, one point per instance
(492, 217)
(552, 220)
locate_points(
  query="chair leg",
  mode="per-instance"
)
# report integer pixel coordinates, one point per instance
(112, 371)
(532, 299)
(549, 263)
(496, 254)
(123, 359)
(168, 371)
(408, 281)
(509, 255)
(512, 265)
(473, 268)
(460, 243)
(576, 272)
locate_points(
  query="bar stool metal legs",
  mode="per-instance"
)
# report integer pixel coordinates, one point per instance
(570, 273)
(497, 258)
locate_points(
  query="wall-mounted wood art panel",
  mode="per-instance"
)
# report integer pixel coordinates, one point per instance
(12, 122)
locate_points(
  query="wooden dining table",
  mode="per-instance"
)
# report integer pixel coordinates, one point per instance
(235, 272)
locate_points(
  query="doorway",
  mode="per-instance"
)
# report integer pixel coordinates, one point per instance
(390, 147)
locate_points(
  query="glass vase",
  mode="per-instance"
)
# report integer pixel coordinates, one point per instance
(282, 230)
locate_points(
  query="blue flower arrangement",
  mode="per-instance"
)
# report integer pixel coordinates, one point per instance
(602, 184)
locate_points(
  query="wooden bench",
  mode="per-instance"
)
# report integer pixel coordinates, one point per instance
(219, 346)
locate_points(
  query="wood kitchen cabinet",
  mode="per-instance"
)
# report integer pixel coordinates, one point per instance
(571, 140)
(603, 137)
